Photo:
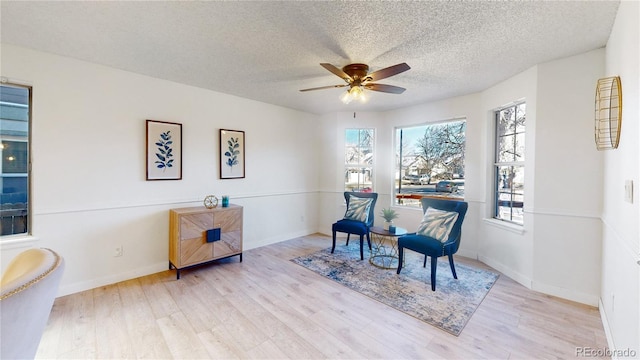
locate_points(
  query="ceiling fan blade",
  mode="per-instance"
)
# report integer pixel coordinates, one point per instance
(337, 72)
(325, 87)
(385, 88)
(386, 72)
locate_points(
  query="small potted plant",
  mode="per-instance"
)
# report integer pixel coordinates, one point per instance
(388, 215)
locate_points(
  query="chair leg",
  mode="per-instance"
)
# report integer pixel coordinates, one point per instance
(453, 267)
(369, 241)
(361, 243)
(348, 236)
(434, 266)
(400, 259)
(333, 247)
(425, 262)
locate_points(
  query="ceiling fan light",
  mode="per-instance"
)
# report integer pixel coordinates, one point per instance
(354, 93)
(346, 97)
(358, 93)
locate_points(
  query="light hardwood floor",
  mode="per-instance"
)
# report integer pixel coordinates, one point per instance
(269, 307)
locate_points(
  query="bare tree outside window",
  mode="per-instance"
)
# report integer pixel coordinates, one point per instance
(430, 161)
(509, 163)
(442, 147)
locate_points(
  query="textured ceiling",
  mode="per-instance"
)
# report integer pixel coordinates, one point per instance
(267, 51)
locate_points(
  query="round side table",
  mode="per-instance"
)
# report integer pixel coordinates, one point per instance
(384, 252)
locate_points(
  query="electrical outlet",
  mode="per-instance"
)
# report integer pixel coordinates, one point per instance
(118, 251)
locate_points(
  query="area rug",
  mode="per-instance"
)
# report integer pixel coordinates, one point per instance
(449, 307)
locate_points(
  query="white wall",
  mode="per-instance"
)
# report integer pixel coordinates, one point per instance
(620, 293)
(568, 180)
(89, 187)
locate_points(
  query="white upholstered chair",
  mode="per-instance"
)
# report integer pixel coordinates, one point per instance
(27, 291)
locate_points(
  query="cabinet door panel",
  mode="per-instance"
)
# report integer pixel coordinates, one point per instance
(230, 223)
(192, 225)
(193, 251)
(193, 246)
(230, 243)
(228, 220)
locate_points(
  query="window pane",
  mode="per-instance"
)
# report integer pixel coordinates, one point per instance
(506, 149)
(14, 157)
(520, 118)
(506, 122)
(351, 155)
(426, 155)
(510, 193)
(359, 159)
(358, 179)
(14, 167)
(518, 154)
(359, 146)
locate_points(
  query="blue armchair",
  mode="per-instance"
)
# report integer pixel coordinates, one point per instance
(358, 218)
(438, 234)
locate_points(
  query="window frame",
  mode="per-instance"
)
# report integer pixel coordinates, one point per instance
(29, 140)
(497, 165)
(361, 165)
(411, 200)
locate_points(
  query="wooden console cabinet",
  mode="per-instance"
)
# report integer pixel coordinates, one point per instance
(198, 235)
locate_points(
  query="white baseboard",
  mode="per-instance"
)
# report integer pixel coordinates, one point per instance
(467, 253)
(564, 293)
(527, 282)
(605, 324)
(248, 245)
(112, 279)
(519, 278)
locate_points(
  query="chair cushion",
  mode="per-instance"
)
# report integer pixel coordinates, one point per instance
(422, 244)
(437, 224)
(351, 226)
(358, 209)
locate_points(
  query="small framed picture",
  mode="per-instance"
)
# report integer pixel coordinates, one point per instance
(164, 150)
(231, 154)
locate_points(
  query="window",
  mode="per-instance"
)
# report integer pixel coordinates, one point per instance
(429, 161)
(358, 160)
(14, 149)
(509, 163)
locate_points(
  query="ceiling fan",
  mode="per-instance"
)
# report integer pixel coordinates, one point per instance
(357, 79)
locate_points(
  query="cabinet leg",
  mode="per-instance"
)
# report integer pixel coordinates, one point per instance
(171, 267)
(240, 257)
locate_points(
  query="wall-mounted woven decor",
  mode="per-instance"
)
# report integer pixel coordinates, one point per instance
(608, 113)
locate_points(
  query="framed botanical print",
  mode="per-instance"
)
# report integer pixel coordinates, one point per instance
(164, 150)
(232, 156)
